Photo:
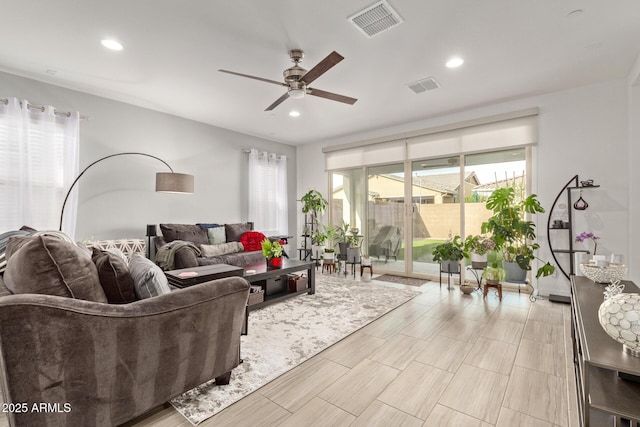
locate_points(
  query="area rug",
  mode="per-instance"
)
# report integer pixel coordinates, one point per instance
(412, 281)
(283, 335)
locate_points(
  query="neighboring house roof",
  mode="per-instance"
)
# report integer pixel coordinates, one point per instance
(445, 183)
(518, 180)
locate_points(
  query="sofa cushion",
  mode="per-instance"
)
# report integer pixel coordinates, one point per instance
(239, 259)
(188, 232)
(235, 231)
(48, 265)
(217, 235)
(252, 241)
(115, 279)
(221, 249)
(148, 279)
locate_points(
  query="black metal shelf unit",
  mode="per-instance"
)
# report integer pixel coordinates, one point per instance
(305, 252)
(573, 184)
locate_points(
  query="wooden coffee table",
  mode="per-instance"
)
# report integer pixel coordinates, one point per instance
(185, 277)
(274, 290)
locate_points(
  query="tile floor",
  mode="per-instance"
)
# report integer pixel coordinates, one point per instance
(442, 359)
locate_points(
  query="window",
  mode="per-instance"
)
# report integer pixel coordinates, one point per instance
(38, 162)
(268, 192)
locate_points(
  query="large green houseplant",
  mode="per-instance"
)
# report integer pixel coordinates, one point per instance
(314, 203)
(510, 229)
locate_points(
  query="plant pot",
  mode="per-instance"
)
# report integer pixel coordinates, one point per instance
(328, 257)
(466, 289)
(492, 281)
(366, 262)
(515, 274)
(478, 261)
(353, 255)
(342, 247)
(274, 262)
(450, 266)
(316, 251)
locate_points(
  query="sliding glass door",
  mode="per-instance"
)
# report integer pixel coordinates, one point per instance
(386, 217)
(436, 193)
(404, 210)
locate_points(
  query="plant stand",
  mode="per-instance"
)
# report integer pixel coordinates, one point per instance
(477, 272)
(498, 287)
(446, 268)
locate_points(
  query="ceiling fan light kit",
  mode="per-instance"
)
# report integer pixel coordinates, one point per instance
(297, 79)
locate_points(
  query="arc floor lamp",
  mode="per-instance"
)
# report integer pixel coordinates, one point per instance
(166, 182)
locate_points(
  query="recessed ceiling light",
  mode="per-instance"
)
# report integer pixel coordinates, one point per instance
(294, 113)
(454, 62)
(111, 44)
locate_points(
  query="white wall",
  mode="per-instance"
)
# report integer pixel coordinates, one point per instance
(582, 131)
(633, 87)
(117, 198)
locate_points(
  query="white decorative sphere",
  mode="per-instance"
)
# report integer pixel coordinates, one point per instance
(619, 316)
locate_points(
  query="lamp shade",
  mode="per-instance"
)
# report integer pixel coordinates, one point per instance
(171, 182)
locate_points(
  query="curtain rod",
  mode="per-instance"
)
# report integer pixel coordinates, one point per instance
(248, 150)
(41, 108)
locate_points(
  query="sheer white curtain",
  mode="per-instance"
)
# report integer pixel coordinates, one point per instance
(38, 162)
(268, 192)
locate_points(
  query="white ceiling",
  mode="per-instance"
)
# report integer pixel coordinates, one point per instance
(172, 51)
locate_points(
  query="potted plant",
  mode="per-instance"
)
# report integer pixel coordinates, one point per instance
(494, 273)
(449, 254)
(354, 240)
(342, 239)
(478, 246)
(314, 203)
(512, 233)
(318, 239)
(329, 252)
(272, 251)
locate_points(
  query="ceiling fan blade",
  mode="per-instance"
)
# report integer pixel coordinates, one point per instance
(253, 77)
(331, 96)
(322, 67)
(277, 102)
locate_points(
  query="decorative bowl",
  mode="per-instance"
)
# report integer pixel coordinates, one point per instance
(607, 274)
(619, 316)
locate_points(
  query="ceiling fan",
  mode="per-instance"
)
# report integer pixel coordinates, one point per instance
(297, 79)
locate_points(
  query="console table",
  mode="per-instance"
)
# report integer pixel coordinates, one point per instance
(604, 397)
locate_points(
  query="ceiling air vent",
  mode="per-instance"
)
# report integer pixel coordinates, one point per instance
(376, 18)
(423, 85)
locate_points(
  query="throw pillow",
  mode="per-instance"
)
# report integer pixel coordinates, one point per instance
(252, 241)
(187, 232)
(217, 235)
(221, 249)
(4, 240)
(235, 231)
(148, 279)
(115, 279)
(207, 225)
(48, 265)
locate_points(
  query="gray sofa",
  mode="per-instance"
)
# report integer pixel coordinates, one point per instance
(200, 234)
(99, 364)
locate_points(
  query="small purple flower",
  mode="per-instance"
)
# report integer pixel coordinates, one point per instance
(588, 236)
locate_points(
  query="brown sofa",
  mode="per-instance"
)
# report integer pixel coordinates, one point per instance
(198, 235)
(96, 364)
